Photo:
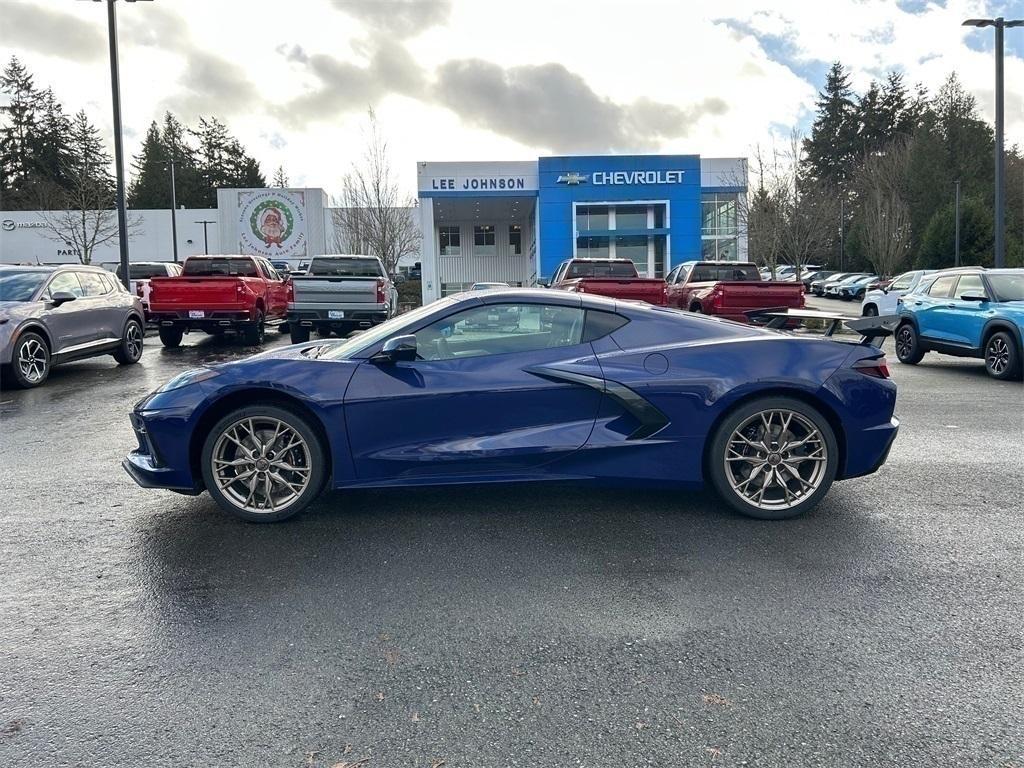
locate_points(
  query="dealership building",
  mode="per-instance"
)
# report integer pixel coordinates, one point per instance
(515, 222)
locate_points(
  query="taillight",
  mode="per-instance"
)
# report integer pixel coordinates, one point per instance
(380, 292)
(877, 367)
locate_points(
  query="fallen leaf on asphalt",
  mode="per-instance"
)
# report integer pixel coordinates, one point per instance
(353, 764)
(716, 700)
(415, 717)
(391, 656)
(713, 752)
(380, 696)
(437, 764)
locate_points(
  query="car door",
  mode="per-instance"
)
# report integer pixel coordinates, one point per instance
(886, 299)
(927, 307)
(671, 291)
(97, 309)
(277, 290)
(959, 321)
(64, 322)
(482, 398)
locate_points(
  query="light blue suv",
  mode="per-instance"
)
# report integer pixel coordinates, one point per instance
(970, 312)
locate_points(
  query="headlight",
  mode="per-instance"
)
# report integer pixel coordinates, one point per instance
(189, 377)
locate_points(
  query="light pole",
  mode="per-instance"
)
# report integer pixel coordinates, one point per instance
(115, 87)
(174, 211)
(1000, 213)
(956, 217)
(206, 243)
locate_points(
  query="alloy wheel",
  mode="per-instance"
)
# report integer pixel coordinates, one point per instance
(904, 342)
(32, 361)
(261, 464)
(133, 341)
(775, 459)
(997, 355)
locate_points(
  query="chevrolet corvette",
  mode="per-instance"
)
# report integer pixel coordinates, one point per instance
(525, 385)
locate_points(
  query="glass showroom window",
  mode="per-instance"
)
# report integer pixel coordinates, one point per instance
(450, 240)
(633, 248)
(718, 214)
(591, 217)
(631, 217)
(483, 240)
(515, 239)
(592, 247)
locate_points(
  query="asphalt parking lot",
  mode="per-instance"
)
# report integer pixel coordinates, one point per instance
(511, 627)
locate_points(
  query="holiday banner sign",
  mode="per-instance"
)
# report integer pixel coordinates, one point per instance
(272, 223)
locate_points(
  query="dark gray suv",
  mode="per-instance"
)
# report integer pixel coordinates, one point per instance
(51, 315)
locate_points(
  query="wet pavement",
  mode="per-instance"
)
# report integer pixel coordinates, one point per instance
(518, 626)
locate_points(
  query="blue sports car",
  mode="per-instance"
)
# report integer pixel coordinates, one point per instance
(525, 385)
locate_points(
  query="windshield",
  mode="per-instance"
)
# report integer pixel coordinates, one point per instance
(217, 267)
(1008, 287)
(346, 268)
(601, 269)
(20, 286)
(392, 327)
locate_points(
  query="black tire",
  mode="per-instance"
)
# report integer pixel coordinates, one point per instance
(255, 331)
(317, 462)
(696, 308)
(718, 449)
(908, 345)
(130, 351)
(283, 328)
(1003, 356)
(870, 311)
(30, 361)
(324, 333)
(299, 334)
(171, 337)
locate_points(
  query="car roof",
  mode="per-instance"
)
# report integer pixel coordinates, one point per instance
(53, 267)
(540, 296)
(224, 256)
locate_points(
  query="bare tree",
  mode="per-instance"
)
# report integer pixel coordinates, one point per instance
(81, 215)
(808, 211)
(758, 214)
(884, 219)
(280, 178)
(375, 217)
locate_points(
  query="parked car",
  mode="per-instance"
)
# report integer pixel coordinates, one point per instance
(217, 295)
(832, 289)
(52, 315)
(340, 294)
(141, 272)
(970, 312)
(818, 286)
(582, 387)
(727, 289)
(487, 286)
(848, 291)
(882, 301)
(821, 274)
(283, 267)
(617, 278)
(416, 272)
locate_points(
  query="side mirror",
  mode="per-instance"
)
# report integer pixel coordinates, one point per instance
(973, 297)
(395, 349)
(62, 297)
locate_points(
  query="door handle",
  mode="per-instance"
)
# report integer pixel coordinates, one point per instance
(917, 303)
(950, 306)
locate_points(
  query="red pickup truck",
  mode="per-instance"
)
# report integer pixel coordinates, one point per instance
(728, 289)
(218, 294)
(616, 278)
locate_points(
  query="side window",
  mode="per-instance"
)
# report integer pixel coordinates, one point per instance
(902, 282)
(92, 284)
(560, 272)
(942, 286)
(497, 329)
(108, 281)
(671, 277)
(65, 282)
(970, 285)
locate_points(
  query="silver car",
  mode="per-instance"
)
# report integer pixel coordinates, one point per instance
(54, 314)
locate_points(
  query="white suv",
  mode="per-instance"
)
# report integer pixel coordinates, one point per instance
(882, 301)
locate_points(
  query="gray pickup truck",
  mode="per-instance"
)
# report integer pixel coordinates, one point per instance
(340, 294)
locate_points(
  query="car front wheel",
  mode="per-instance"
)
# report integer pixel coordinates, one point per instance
(131, 343)
(1002, 357)
(30, 361)
(908, 345)
(263, 463)
(870, 311)
(773, 458)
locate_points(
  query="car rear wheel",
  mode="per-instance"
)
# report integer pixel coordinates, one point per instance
(773, 458)
(1002, 357)
(131, 343)
(263, 463)
(299, 334)
(255, 331)
(908, 345)
(171, 337)
(30, 361)
(870, 311)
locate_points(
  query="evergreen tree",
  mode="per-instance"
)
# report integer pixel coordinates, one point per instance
(875, 122)
(938, 246)
(89, 163)
(222, 162)
(16, 162)
(830, 151)
(150, 185)
(49, 146)
(280, 178)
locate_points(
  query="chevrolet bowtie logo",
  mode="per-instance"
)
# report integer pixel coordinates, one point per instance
(572, 178)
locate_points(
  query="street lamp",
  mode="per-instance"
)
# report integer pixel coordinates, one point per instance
(1000, 214)
(115, 87)
(174, 211)
(206, 242)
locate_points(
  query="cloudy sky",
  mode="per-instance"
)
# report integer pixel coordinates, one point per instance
(487, 80)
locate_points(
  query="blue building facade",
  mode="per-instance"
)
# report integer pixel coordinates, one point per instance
(516, 222)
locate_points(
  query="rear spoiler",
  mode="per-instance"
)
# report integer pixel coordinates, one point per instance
(872, 330)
